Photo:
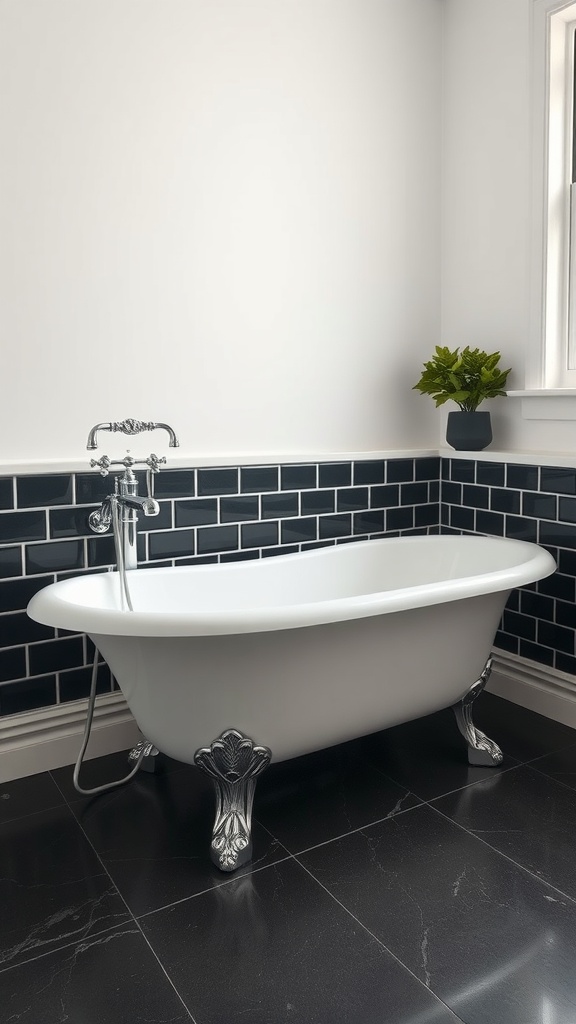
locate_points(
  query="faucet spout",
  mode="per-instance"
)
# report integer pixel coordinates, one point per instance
(149, 506)
(101, 519)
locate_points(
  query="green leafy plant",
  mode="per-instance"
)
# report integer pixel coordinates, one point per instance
(467, 377)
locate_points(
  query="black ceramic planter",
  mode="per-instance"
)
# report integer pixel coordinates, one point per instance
(469, 431)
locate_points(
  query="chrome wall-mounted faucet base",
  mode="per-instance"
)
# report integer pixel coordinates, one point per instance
(233, 762)
(149, 761)
(481, 749)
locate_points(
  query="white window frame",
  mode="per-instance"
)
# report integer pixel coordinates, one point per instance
(547, 371)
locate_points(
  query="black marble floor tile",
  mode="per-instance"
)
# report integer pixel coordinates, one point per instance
(428, 756)
(525, 815)
(312, 799)
(53, 888)
(521, 733)
(275, 947)
(99, 771)
(26, 796)
(153, 836)
(560, 766)
(493, 942)
(111, 979)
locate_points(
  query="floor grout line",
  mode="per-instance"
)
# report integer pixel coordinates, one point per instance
(468, 785)
(60, 790)
(164, 971)
(516, 864)
(214, 888)
(550, 778)
(30, 814)
(57, 949)
(344, 835)
(380, 943)
(137, 924)
(132, 917)
(556, 750)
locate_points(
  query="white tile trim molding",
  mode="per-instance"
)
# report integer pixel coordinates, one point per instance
(529, 457)
(177, 460)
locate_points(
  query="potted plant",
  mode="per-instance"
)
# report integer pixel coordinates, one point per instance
(467, 378)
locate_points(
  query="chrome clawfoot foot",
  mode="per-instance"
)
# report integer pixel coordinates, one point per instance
(481, 750)
(233, 762)
(149, 761)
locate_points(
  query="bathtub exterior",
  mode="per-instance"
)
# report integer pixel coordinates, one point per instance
(301, 652)
(298, 690)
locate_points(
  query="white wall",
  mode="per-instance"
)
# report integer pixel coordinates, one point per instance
(219, 213)
(487, 201)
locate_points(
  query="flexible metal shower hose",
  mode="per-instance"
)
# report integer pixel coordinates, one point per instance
(125, 599)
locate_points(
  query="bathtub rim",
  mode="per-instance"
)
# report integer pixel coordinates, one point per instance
(53, 604)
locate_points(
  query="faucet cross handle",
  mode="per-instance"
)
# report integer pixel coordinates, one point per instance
(154, 462)
(104, 465)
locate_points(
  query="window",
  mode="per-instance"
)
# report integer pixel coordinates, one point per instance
(570, 77)
(553, 363)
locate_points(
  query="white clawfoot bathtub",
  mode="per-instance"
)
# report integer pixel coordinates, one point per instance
(297, 652)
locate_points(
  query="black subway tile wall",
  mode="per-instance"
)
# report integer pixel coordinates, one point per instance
(298, 531)
(259, 535)
(6, 492)
(10, 562)
(530, 503)
(280, 506)
(258, 479)
(251, 512)
(217, 481)
(352, 498)
(38, 491)
(206, 516)
(335, 474)
(196, 512)
(369, 472)
(296, 478)
(389, 495)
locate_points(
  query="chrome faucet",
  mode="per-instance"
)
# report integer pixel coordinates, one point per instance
(122, 506)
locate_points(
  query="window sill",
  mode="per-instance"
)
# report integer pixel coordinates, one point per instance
(549, 404)
(566, 460)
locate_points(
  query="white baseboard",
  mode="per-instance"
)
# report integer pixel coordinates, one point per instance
(51, 737)
(533, 686)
